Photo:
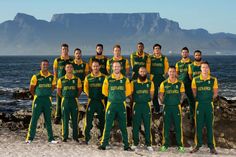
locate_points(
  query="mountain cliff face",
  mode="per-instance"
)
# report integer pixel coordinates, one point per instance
(27, 35)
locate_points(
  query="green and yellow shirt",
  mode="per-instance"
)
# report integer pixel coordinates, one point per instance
(43, 84)
(205, 88)
(69, 87)
(102, 61)
(123, 62)
(59, 64)
(172, 92)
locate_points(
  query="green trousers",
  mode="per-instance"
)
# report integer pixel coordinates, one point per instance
(157, 80)
(204, 115)
(190, 98)
(172, 114)
(94, 106)
(40, 105)
(115, 110)
(142, 112)
(58, 107)
(69, 109)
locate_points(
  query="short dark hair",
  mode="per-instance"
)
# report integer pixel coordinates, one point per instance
(197, 51)
(44, 60)
(116, 46)
(205, 62)
(156, 46)
(172, 67)
(96, 61)
(185, 48)
(78, 49)
(99, 45)
(140, 43)
(64, 45)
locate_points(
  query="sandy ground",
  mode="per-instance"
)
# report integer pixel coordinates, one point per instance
(12, 145)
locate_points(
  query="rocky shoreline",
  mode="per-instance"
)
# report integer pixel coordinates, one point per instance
(224, 128)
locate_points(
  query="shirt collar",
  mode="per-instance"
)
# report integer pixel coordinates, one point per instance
(172, 82)
(138, 80)
(73, 76)
(41, 73)
(117, 59)
(113, 76)
(201, 77)
(99, 74)
(140, 55)
(99, 56)
(63, 58)
(196, 63)
(80, 61)
(186, 61)
(157, 57)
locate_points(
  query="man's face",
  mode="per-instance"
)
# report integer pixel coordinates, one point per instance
(157, 51)
(64, 51)
(172, 72)
(116, 67)
(69, 68)
(77, 54)
(117, 52)
(142, 72)
(44, 66)
(95, 67)
(185, 53)
(140, 48)
(197, 56)
(205, 68)
(99, 50)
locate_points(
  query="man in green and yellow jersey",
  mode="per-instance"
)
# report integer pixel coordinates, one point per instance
(41, 87)
(69, 89)
(171, 95)
(116, 87)
(101, 58)
(182, 71)
(205, 90)
(93, 88)
(158, 72)
(139, 59)
(143, 90)
(59, 71)
(118, 58)
(81, 68)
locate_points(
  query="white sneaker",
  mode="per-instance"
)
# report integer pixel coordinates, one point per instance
(53, 142)
(28, 141)
(149, 148)
(108, 147)
(133, 147)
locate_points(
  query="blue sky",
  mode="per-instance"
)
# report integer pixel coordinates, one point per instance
(212, 15)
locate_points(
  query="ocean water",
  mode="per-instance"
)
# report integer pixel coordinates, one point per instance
(16, 72)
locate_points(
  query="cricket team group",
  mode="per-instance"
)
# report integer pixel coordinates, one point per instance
(153, 84)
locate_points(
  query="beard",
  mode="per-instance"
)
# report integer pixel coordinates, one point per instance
(198, 60)
(142, 78)
(99, 53)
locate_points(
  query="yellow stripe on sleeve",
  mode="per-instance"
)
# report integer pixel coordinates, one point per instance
(105, 87)
(182, 89)
(152, 87)
(194, 83)
(59, 84)
(55, 64)
(79, 84)
(86, 86)
(215, 86)
(127, 88)
(33, 80)
(166, 65)
(162, 88)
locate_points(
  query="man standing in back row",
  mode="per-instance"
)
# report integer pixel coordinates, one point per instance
(59, 71)
(158, 72)
(101, 59)
(182, 72)
(139, 59)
